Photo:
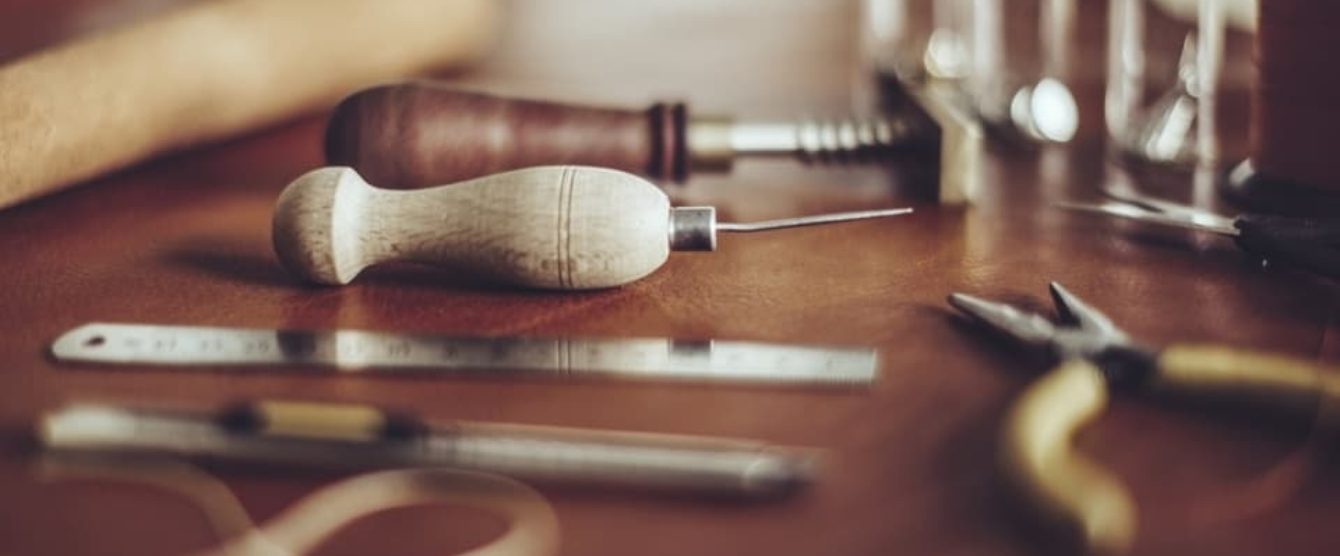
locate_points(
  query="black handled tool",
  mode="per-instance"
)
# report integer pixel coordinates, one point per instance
(1311, 244)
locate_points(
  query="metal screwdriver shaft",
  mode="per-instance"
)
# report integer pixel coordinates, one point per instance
(695, 228)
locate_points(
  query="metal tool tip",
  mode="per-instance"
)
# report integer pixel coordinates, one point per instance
(779, 474)
(996, 314)
(1065, 301)
(1074, 205)
(967, 303)
(831, 218)
(1074, 310)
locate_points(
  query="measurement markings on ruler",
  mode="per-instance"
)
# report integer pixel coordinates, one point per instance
(356, 350)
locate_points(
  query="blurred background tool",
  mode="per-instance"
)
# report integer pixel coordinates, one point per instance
(1178, 74)
(208, 71)
(1294, 164)
(345, 435)
(421, 134)
(1012, 78)
(556, 227)
(1019, 80)
(1311, 244)
(357, 350)
(1096, 356)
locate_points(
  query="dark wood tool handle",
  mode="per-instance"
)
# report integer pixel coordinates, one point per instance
(421, 134)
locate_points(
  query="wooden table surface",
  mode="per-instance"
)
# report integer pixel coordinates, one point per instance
(185, 240)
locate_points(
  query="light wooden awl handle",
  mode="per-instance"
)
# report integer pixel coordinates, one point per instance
(556, 227)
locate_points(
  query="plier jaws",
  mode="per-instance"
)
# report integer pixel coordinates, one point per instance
(1086, 333)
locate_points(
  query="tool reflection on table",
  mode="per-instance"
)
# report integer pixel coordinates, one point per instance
(1096, 357)
(347, 351)
(1311, 244)
(422, 134)
(554, 227)
(358, 436)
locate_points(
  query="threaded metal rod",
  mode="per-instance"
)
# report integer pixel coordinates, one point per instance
(822, 141)
(714, 143)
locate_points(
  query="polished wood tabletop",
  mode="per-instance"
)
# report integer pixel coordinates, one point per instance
(185, 239)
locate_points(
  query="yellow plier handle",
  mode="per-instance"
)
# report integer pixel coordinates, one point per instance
(1231, 377)
(1072, 492)
(1067, 490)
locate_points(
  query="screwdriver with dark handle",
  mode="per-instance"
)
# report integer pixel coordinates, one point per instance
(554, 227)
(421, 133)
(1311, 244)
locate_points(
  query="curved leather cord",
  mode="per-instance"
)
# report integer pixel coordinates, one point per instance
(1064, 488)
(307, 523)
(222, 510)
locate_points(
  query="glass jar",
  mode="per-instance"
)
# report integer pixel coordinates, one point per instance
(1178, 81)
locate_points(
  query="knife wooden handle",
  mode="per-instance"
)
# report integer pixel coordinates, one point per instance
(422, 134)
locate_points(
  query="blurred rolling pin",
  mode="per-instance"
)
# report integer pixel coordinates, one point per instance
(210, 70)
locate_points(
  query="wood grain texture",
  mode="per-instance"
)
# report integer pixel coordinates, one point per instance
(209, 71)
(554, 227)
(186, 240)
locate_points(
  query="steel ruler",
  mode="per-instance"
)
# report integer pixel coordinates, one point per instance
(194, 347)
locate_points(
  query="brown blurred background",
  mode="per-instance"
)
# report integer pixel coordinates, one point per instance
(185, 239)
